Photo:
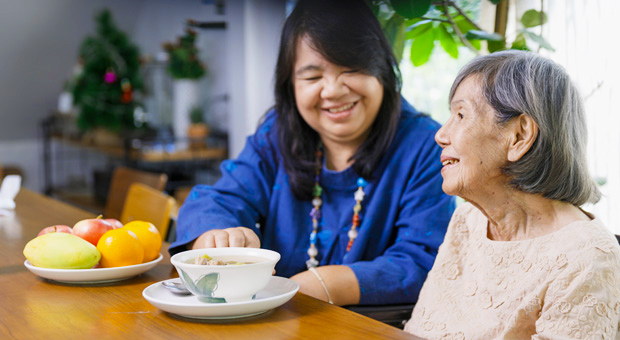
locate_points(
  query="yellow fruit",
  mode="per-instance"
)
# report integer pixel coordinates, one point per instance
(120, 247)
(61, 251)
(149, 237)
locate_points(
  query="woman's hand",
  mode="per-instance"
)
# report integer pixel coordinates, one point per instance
(229, 237)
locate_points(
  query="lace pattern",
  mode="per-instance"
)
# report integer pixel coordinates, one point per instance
(562, 285)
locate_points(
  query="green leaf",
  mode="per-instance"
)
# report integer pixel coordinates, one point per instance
(447, 41)
(482, 35)
(533, 18)
(412, 22)
(493, 45)
(538, 39)
(395, 33)
(375, 7)
(519, 43)
(495, 2)
(422, 47)
(207, 284)
(411, 8)
(188, 281)
(465, 26)
(418, 29)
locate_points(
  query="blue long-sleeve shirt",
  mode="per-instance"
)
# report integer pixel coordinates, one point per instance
(402, 223)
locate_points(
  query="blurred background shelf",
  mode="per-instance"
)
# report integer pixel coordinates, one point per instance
(79, 170)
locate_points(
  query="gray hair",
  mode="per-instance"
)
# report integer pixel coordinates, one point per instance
(519, 82)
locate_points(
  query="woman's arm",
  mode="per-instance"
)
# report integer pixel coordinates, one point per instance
(340, 282)
(584, 301)
(238, 198)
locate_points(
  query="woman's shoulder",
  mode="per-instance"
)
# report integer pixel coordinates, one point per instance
(266, 131)
(267, 123)
(588, 239)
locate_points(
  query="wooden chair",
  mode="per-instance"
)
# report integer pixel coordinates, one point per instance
(122, 178)
(180, 194)
(144, 203)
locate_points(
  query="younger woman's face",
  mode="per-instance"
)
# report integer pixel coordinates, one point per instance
(339, 103)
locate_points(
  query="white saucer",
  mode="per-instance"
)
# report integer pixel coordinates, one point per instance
(278, 291)
(95, 275)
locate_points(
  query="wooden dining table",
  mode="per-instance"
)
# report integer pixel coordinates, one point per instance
(32, 307)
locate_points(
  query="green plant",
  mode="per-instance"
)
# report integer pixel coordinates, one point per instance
(196, 115)
(183, 57)
(104, 90)
(452, 24)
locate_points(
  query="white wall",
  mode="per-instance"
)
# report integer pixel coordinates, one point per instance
(39, 41)
(253, 52)
(582, 33)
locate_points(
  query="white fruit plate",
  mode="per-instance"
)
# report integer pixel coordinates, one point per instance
(95, 275)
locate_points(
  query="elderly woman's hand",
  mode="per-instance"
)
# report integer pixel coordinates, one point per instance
(229, 237)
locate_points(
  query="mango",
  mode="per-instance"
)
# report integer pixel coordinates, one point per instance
(61, 251)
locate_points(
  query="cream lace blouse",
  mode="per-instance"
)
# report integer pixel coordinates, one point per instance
(564, 285)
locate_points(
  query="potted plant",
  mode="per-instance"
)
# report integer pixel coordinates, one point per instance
(198, 130)
(186, 69)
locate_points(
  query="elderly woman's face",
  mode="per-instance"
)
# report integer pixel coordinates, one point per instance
(339, 103)
(474, 146)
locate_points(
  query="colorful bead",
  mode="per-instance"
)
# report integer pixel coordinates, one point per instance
(350, 244)
(352, 234)
(312, 251)
(313, 237)
(318, 191)
(311, 263)
(359, 194)
(315, 213)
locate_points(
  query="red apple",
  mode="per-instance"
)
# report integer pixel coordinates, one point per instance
(114, 222)
(59, 228)
(91, 229)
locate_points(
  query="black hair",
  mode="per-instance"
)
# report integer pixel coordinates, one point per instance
(346, 33)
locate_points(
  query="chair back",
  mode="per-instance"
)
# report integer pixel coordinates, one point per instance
(122, 178)
(181, 193)
(144, 203)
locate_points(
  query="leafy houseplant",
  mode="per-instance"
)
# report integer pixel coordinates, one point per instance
(186, 69)
(450, 23)
(183, 57)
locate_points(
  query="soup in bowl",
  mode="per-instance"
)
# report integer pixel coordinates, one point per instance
(225, 274)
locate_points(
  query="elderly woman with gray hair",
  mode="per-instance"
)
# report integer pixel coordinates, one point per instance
(520, 259)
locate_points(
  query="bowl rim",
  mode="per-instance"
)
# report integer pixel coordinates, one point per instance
(174, 259)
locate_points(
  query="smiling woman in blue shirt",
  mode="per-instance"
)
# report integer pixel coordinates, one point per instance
(342, 177)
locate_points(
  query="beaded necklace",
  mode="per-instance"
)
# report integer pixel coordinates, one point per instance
(315, 213)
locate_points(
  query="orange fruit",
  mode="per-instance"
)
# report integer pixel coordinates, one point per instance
(149, 237)
(120, 247)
